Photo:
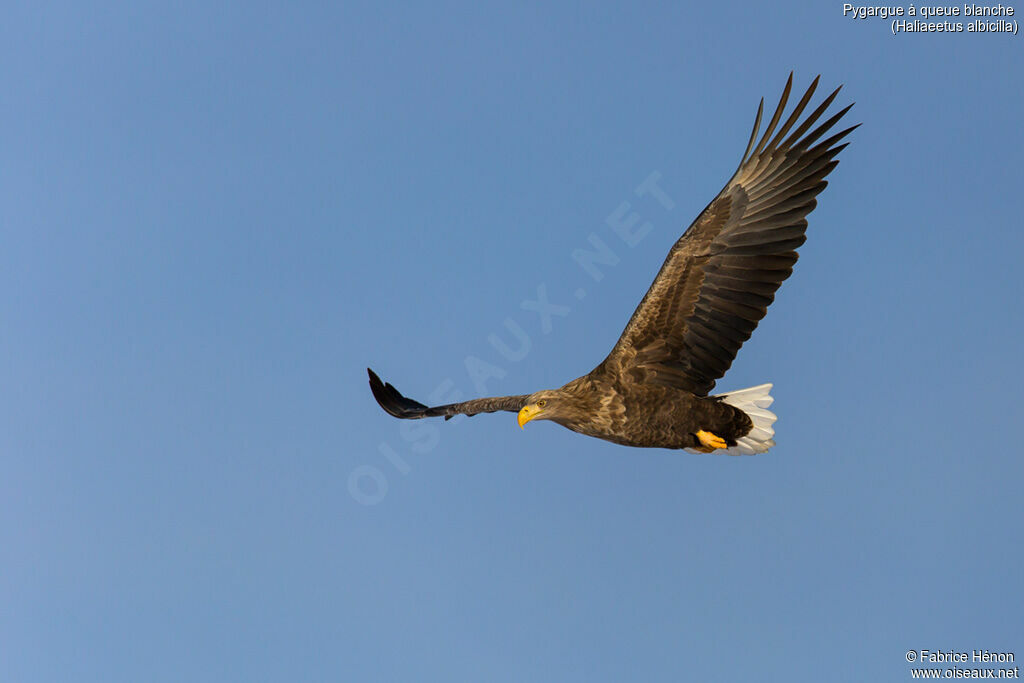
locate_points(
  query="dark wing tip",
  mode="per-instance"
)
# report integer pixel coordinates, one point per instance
(392, 401)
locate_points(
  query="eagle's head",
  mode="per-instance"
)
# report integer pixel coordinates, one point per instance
(550, 404)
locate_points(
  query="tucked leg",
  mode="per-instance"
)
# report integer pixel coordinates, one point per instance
(710, 441)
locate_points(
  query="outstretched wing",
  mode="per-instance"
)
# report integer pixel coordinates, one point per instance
(722, 274)
(395, 404)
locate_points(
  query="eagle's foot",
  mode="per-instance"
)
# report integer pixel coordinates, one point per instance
(710, 441)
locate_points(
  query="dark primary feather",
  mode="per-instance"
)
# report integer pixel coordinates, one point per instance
(397, 405)
(720, 277)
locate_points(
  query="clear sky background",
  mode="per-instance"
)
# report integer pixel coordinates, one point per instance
(214, 217)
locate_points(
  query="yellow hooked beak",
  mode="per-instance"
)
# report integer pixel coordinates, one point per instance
(528, 413)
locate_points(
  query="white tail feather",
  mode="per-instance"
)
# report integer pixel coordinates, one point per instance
(754, 401)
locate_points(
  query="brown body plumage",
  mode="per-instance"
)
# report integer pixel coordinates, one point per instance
(649, 415)
(714, 287)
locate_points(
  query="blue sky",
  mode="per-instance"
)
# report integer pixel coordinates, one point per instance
(215, 216)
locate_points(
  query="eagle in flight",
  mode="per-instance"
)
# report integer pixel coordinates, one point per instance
(714, 287)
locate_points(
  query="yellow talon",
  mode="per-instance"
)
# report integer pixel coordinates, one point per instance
(710, 441)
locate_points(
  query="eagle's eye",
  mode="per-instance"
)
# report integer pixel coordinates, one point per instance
(541, 403)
